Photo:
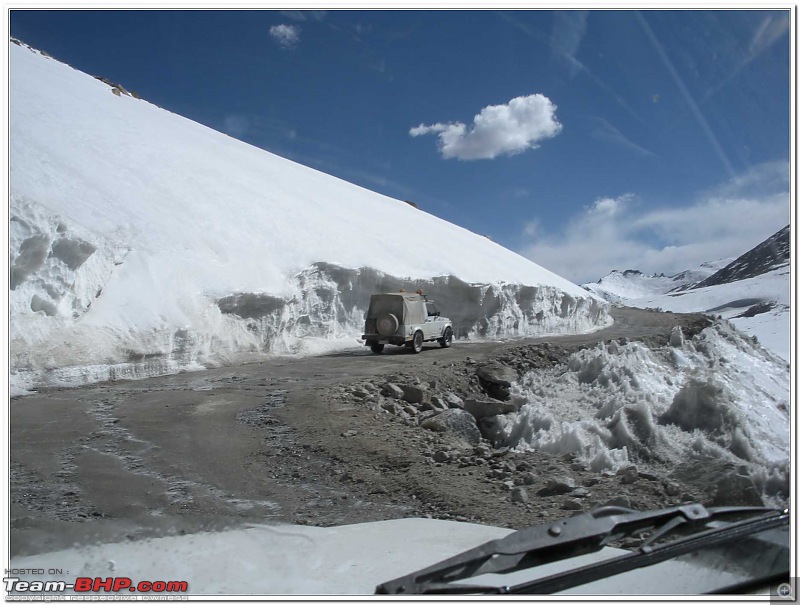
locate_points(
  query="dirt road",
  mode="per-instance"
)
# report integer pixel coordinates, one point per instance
(290, 440)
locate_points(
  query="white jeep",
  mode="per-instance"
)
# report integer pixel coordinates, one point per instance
(405, 319)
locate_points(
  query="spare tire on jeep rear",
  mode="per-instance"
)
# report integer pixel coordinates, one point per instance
(387, 324)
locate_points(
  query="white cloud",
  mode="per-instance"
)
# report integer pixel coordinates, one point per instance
(497, 130)
(619, 233)
(287, 36)
(609, 206)
(759, 180)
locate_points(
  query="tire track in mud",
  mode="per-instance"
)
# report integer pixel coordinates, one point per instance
(115, 440)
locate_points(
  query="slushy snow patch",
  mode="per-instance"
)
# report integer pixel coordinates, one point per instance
(718, 395)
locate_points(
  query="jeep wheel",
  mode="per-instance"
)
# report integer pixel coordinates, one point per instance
(446, 340)
(416, 344)
(377, 347)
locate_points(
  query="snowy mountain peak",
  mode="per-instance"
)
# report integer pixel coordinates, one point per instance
(143, 243)
(619, 286)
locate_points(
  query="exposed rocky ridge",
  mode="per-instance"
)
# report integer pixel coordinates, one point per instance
(620, 286)
(771, 254)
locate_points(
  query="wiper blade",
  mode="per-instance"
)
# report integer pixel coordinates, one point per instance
(582, 534)
(646, 555)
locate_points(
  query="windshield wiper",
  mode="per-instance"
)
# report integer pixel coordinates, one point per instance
(582, 534)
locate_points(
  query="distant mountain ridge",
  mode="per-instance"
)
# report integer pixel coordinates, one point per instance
(773, 253)
(752, 291)
(619, 286)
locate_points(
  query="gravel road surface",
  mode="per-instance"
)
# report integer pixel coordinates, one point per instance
(300, 440)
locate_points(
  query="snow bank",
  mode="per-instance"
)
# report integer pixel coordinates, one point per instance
(718, 395)
(143, 243)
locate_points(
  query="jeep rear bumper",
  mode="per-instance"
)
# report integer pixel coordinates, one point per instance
(392, 340)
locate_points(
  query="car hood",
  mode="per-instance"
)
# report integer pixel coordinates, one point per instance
(344, 560)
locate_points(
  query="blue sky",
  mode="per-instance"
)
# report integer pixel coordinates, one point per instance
(584, 140)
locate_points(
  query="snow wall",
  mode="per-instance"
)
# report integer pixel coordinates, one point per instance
(60, 335)
(718, 398)
(142, 243)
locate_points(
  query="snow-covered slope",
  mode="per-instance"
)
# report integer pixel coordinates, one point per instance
(143, 243)
(619, 286)
(759, 306)
(752, 291)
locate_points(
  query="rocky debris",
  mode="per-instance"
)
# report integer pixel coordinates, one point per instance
(262, 415)
(496, 378)
(734, 489)
(497, 373)
(530, 357)
(558, 485)
(519, 494)
(623, 501)
(459, 422)
(440, 456)
(452, 404)
(436, 403)
(481, 408)
(452, 400)
(391, 407)
(719, 483)
(391, 390)
(413, 393)
(628, 474)
(118, 89)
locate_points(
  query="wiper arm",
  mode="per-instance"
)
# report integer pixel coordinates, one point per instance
(582, 534)
(646, 555)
